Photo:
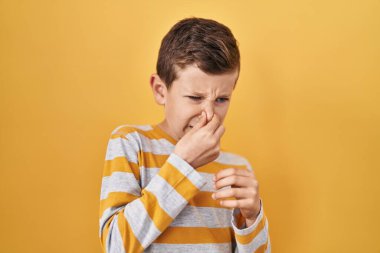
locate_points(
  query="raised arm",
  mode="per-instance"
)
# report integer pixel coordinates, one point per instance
(131, 218)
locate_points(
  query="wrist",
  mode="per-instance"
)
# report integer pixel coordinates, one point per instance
(250, 221)
(182, 156)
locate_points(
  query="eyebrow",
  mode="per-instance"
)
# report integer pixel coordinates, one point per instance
(203, 95)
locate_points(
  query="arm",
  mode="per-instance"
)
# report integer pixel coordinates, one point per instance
(249, 222)
(254, 238)
(131, 218)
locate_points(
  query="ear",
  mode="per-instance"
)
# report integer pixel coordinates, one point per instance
(159, 89)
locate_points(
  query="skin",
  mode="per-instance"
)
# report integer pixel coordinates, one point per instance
(195, 107)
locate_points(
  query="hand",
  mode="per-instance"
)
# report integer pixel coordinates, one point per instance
(201, 144)
(244, 187)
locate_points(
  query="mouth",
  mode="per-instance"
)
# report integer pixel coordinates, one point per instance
(187, 128)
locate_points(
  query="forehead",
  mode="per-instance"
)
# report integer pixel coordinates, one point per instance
(194, 79)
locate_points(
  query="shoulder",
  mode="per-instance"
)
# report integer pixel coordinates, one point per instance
(124, 130)
(130, 135)
(131, 132)
(234, 159)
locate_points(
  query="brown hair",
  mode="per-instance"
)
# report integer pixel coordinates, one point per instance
(204, 42)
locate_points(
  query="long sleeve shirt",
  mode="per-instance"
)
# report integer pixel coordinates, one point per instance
(152, 200)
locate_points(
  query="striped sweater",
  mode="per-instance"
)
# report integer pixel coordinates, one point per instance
(152, 200)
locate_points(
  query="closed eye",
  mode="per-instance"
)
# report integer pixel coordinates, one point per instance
(222, 100)
(218, 100)
(194, 98)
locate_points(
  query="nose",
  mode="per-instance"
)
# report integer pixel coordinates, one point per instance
(208, 107)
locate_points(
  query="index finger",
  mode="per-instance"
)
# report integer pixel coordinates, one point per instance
(231, 171)
(213, 124)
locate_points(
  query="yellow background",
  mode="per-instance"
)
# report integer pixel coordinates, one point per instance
(305, 113)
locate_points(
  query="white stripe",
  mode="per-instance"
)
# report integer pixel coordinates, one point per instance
(212, 217)
(232, 159)
(251, 228)
(114, 243)
(141, 223)
(106, 215)
(168, 198)
(137, 142)
(260, 239)
(146, 174)
(204, 247)
(156, 146)
(120, 182)
(133, 143)
(269, 247)
(188, 171)
(141, 127)
(120, 147)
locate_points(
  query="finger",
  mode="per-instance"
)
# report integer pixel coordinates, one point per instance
(201, 122)
(231, 193)
(213, 124)
(236, 181)
(238, 203)
(233, 171)
(219, 131)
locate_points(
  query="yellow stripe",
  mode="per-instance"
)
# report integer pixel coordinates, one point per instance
(150, 160)
(151, 134)
(157, 133)
(131, 244)
(245, 239)
(115, 199)
(154, 134)
(157, 161)
(184, 235)
(103, 239)
(178, 181)
(204, 199)
(121, 164)
(215, 167)
(160, 218)
(262, 248)
(240, 220)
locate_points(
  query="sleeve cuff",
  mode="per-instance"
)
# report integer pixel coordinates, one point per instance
(246, 230)
(187, 170)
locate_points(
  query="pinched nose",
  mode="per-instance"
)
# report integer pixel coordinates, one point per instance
(209, 110)
(194, 121)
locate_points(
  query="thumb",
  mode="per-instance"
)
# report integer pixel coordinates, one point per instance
(201, 122)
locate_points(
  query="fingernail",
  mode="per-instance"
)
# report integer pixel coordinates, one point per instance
(213, 196)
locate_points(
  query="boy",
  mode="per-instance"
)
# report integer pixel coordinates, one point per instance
(168, 187)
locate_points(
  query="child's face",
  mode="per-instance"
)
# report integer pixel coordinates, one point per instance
(193, 92)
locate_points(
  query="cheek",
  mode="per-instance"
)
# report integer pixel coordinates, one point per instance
(179, 113)
(189, 114)
(222, 112)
